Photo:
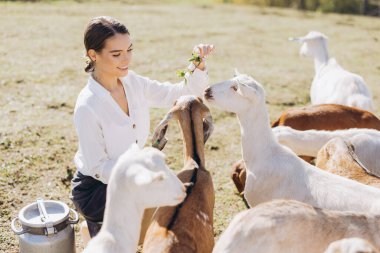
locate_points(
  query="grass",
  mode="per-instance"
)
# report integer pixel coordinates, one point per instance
(41, 59)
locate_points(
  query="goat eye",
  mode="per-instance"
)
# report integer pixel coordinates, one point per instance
(234, 87)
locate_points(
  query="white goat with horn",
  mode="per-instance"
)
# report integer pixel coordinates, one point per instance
(332, 84)
(273, 171)
(366, 143)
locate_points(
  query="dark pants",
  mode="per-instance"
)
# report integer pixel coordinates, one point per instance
(89, 198)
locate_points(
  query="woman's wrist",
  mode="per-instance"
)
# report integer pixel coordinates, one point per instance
(200, 65)
(196, 62)
(200, 53)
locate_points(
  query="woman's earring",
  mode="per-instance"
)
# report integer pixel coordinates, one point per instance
(87, 59)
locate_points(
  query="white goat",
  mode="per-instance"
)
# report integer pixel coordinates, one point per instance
(139, 180)
(351, 245)
(289, 226)
(366, 143)
(331, 83)
(273, 171)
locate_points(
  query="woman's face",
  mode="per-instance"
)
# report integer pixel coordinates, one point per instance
(115, 57)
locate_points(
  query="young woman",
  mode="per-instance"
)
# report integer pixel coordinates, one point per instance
(112, 110)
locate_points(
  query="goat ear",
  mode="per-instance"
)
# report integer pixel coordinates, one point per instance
(237, 73)
(158, 139)
(246, 91)
(145, 177)
(208, 126)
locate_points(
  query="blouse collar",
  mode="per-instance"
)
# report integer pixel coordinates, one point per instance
(99, 89)
(103, 93)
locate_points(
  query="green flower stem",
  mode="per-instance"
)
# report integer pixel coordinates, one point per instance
(196, 59)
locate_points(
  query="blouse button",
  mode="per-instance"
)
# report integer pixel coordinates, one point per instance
(134, 125)
(97, 175)
(136, 141)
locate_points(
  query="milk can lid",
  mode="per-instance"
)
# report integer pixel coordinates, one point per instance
(43, 212)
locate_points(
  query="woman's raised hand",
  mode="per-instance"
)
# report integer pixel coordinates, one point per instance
(203, 51)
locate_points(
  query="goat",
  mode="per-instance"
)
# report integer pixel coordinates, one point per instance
(274, 171)
(140, 179)
(327, 117)
(189, 226)
(338, 156)
(332, 84)
(289, 226)
(318, 117)
(351, 245)
(309, 142)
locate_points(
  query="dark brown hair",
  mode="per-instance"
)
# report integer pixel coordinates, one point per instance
(97, 32)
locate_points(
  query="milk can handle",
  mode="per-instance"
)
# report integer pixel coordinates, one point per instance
(76, 217)
(13, 226)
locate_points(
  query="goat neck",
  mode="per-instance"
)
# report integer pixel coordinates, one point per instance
(198, 131)
(127, 240)
(191, 124)
(256, 135)
(321, 56)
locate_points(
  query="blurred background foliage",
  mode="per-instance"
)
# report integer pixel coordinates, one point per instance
(362, 7)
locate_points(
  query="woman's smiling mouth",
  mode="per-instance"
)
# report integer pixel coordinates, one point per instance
(123, 68)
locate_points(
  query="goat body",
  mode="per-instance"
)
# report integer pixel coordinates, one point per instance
(318, 117)
(332, 84)
(327, 117)
(192, 229)
(365, 141)
(289, 226)
(338, 156)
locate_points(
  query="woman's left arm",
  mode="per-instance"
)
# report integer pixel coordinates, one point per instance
(164, 94)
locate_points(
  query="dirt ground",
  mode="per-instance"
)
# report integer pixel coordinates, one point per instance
(41, 74)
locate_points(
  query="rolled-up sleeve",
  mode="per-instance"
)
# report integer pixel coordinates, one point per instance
(164, 94)
(92, 157)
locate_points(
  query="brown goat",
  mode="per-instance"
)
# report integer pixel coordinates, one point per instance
(187, 227)
(319, 117)
(327, 117)
(338, 156)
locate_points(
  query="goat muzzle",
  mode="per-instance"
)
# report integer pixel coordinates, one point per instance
(208, 93)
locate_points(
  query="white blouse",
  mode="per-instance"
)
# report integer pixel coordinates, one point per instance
(105, 131)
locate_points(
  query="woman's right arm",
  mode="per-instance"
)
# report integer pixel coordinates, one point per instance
(91, 158)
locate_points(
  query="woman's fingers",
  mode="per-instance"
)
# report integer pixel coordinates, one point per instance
(204, 50)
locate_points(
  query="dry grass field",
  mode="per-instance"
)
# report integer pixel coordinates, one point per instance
(41, 73)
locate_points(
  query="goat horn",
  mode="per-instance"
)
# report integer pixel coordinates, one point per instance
(158, 140)
(351, 151)
(296, 39)
(237, 73)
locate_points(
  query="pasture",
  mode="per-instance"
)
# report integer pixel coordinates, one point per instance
(41, 74)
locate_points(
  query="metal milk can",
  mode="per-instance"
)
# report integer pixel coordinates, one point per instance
(46, 227)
